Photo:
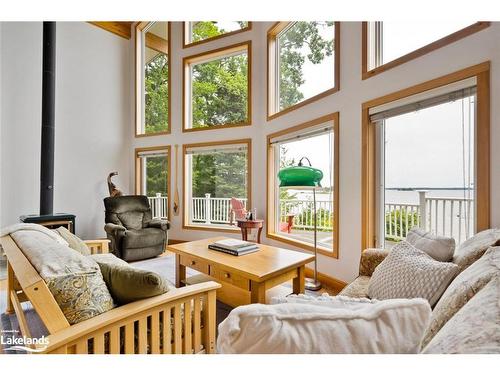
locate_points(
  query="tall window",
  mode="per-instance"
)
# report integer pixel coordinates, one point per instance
(153, 177)
(388, 44)
(426, 173)
(291, 211)
(217, 88)
(152, 78)
(201, 31)
(214, 174)
(303, 63)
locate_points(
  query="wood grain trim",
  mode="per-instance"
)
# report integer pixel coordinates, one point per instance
(368, 189)
(460, 34)
(271, 78)
(139, 171)
(332, 283)
(122, 29)
(200, 57)
(271, 181)
(192, 44)
(156, 45)
(185, 212)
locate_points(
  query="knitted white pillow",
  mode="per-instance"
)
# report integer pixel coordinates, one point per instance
(408, 272)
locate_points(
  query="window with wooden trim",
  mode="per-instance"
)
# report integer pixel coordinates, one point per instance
(217, 88)
(197, 32)
(290, 216)
(425, 159)
(152, 78)
(216, 178)
(390, 43)
(303, 63)
(152, 178)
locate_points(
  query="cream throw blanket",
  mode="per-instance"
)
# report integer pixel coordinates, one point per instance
(33, 227)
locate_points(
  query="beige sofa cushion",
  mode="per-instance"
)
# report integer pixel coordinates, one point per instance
(357, 289)
(75, 280)
(408, 272)
(438, 247)
(462, 289)
(73, 241)
(474, 248)
(475, 328)
(393, 326)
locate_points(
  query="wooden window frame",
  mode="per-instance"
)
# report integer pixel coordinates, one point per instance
(451, 38)
(160, 47)
(272, 34)
(214, 54)
(139, 171)
(185, 210)
(482, 159)
(185, 26)
(272, 180)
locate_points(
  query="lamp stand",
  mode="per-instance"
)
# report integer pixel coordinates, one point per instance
(314, 284)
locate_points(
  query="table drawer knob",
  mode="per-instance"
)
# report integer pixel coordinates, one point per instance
(226, 275)
(193, 262)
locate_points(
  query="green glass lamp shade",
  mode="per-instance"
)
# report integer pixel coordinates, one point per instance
(300, 176)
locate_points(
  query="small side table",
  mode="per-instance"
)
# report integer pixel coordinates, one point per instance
(245, 225)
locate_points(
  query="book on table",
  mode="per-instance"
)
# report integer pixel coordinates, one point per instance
(234, 247)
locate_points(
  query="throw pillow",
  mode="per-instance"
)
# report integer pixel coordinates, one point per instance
(438, 247)
(394, 326)
(475, 329)
(474, 248)
(408, 272)
(73, 241)
(126, 283)
(465, 286)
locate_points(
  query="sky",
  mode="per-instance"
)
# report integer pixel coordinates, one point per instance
(422, 148)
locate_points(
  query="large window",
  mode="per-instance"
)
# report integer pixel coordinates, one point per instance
(153, 178)
(203, 31)
(425, 160)
(217, 88)
(303, 63)
(152, 78)
(291, 211)
(388, 44)
(214, 174)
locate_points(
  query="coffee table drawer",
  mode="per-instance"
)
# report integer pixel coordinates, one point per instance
(195, 264)
(230, 277)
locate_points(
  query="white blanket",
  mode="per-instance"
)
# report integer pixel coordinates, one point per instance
(33, 227)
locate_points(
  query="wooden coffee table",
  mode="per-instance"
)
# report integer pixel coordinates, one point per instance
(245, 278)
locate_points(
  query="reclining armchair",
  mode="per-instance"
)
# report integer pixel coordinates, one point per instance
(133, 233)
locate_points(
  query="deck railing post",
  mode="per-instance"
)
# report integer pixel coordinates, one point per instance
(422, 208)
(157, 212)
(208, 209)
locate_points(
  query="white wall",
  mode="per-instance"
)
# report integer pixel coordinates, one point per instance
(474, 49)
(93, 135)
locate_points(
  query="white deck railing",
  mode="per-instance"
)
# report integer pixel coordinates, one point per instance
(159, 206)
(302, 212)
(210, 210)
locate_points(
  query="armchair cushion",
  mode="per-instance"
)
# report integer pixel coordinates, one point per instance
(131, 219)
(146, 237)
(160, 224)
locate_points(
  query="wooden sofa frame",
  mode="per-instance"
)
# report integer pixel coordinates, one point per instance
(171, 323)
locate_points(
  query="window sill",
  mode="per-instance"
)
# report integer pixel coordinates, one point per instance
(303, 245)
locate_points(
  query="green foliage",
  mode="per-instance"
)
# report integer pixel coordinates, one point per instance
(305, 217)
(207, 29)
(399, 222)
(156, 94)
(156, 175)
(291, 46)
(223, 175)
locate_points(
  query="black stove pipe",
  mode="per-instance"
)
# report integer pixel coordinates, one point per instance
(48, 116)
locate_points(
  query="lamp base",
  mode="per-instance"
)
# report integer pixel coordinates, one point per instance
(310, 284)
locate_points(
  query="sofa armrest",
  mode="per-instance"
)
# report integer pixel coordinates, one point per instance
(114, 229)
(370, 259)
(159, 223)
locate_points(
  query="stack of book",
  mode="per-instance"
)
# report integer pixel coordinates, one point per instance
(234, 247)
